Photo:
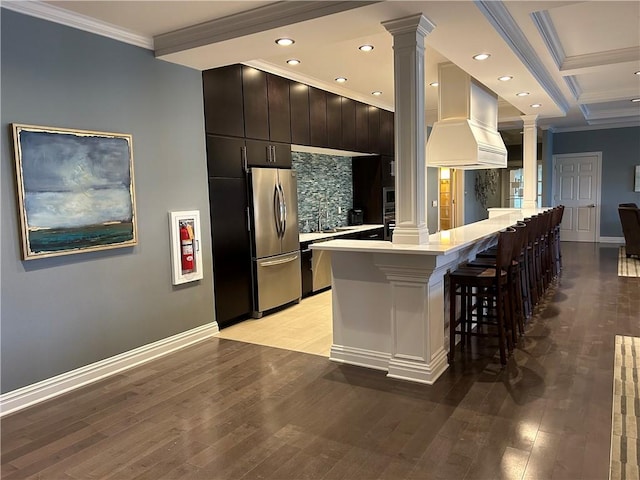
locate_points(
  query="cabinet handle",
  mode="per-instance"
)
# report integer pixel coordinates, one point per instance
(244, 159)
(273, 155)
(248, 220)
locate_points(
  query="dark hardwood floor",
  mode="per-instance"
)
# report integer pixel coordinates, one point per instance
(228, 410)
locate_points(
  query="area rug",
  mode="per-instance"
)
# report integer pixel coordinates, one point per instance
(625, 425)
(628, 267)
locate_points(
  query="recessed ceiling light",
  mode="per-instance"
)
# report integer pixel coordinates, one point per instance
(341, 79)
(638, 72)
(522, 94)
(434, 84)
(505, 78)
(636, 100)
(366, 48)
(377, 93)
(285, 42)
(535, 105)
(293, 61)
(481, 56)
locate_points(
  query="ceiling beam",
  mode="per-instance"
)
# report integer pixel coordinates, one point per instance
(259, 19)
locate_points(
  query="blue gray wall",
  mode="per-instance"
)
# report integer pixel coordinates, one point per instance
(61, 313)
(620, 149)
(324, 181)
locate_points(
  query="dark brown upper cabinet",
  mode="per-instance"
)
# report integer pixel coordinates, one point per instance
(279, 109)
(348, 124)
(374, 129)
(362, 128)
(300, 117)
(267, 115)
(222, 90)
(386, 133)
(318, 117)
(268, 154)
(225, 157)
(334, 121)
(256, 106)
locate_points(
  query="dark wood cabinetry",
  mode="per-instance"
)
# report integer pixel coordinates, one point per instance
(362, 128)
(300, 113)
(222, 90)
(231, 247)
(225, 157)
(374, 129)
(279, 109)
(367, 187)
(386, 133)
(268, 154)
(318, 117)
(256, 105)
(348, 124)
(242, 101)
(388, 174)
(334, 121)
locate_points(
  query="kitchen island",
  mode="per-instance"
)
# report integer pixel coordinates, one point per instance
(389, 308)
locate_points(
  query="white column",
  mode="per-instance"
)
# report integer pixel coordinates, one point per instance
(530, 161)
(408, 66)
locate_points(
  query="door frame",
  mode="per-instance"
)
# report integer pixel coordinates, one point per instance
(555, 182)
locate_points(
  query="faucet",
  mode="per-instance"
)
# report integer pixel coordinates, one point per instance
(322, 210)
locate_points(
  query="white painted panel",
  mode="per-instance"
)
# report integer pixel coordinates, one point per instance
(586, 167)
(566, 188)
(585, 187)
(567, 220)
(567, 168)
(584, 220)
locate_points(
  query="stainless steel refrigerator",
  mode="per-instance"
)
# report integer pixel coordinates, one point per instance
(275, 241)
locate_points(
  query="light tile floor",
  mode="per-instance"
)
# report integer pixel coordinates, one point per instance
(305, 327)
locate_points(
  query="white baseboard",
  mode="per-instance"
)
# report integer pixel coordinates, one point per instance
(360, 357)
(619, 240)
(24, 397)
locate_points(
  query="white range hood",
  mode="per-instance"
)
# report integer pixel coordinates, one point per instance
(466, 134)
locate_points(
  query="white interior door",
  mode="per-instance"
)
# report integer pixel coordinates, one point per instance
(577, 187)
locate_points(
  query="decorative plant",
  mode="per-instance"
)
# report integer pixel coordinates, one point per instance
(486, 184)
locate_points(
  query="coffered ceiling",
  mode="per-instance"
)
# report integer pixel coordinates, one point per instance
(576, 59)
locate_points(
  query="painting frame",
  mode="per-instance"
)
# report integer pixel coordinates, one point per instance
(185, 222)
(75, 190)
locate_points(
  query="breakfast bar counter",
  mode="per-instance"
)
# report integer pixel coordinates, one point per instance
(389, 308)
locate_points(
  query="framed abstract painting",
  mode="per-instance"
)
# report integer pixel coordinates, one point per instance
(75, 190)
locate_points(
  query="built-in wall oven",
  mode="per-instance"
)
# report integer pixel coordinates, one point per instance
(389, 211)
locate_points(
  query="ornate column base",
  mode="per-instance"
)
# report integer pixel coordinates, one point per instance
(418, 347)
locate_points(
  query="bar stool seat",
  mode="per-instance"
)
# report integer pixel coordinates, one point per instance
(484, 300)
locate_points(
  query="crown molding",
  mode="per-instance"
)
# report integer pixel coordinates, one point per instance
(314, 82)
(609, 96)
(574, 86)
(259, 19)
(502, 21)
(547, 29)
(611, 126)
(614, 113)
(61, 16)
(577, 63)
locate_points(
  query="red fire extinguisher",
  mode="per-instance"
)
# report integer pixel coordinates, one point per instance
(186, 244)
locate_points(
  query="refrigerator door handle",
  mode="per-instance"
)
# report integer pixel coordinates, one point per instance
(276, 210)
(280, 261)
(283, 211)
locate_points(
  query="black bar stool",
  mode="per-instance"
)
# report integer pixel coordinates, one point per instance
(484, 300)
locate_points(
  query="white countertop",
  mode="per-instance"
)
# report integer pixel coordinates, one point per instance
(441, 243)
(315, 236)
